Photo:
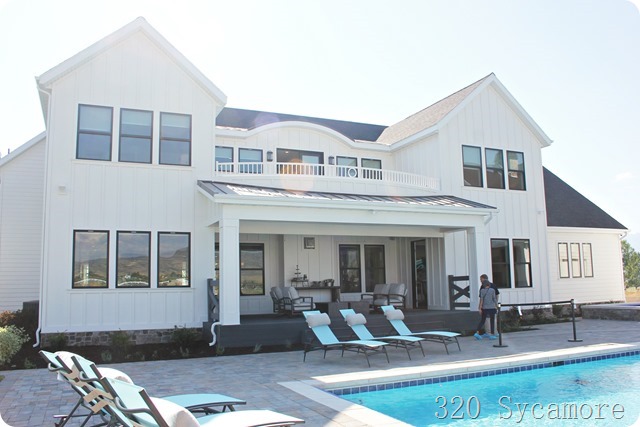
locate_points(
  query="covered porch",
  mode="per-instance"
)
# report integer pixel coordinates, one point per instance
(356, 240)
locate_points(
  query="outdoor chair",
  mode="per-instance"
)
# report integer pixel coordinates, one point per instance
(80, 373)
(396, 318)
(133, 406)
(357, 322)
(294, 303)
(397, 295)
(277, 297)
(327, 340)
(379, 297)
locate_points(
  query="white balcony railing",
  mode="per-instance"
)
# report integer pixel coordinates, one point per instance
(327, 171)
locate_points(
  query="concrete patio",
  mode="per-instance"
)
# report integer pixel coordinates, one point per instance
(30, 398)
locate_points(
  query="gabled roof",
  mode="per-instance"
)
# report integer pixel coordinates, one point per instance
(430, 118)
(23, 148)
(46, 79)
(215, 187)
(568, 208)
(251, 119)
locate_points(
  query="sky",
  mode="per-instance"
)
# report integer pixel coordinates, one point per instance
(573, 65)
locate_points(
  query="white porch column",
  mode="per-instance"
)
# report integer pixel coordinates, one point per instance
(229, 272)
(479, 261)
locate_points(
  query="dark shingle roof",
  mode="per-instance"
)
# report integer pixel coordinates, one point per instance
(568, 208)
(216, 187)
(250, 119)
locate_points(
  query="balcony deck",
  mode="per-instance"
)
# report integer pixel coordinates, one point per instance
(349, 177)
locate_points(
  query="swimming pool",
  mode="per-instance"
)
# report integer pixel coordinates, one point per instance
(568, 393)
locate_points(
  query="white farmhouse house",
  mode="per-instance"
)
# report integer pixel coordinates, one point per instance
(144, 186)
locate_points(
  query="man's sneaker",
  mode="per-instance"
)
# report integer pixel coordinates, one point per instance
(477, 336)
(486, 335)
(493, 337)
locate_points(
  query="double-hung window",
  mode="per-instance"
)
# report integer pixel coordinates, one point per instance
(224, 159)
(576, 267)
(522, 263)
(371, 168)
(90, 259)
(515, 164)
(347, 166)
(174, 260)
(252, 159)
(252, 269)
(175, 139)
(94, 132)
(563, 260)
(587, 262)
(133, 259)
(472, 166)
(135, 136)
(495, 168)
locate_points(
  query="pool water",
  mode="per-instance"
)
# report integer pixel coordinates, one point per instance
(599, 393)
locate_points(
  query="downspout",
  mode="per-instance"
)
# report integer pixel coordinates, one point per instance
(44, 213)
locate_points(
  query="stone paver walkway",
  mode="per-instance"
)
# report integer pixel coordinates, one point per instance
(30, 398)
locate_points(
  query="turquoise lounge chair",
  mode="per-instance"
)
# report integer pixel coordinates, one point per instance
(133, 407)
(357, 323)
(78, 371)
(319, 325)
(396, 318)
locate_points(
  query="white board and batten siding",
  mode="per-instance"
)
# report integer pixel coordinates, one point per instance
(607, 283)
(115, 196)
(21, 210)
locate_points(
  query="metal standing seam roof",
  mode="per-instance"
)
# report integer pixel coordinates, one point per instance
(214, 187)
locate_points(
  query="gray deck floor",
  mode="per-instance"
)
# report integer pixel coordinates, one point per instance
(31, 397)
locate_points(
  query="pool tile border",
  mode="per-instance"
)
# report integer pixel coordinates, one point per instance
(469, 375)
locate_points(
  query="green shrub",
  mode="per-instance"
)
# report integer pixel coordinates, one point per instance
(557, 310)
(184, 338)
(11, 340)
(7, 318)
(57, 342)
(120, 344)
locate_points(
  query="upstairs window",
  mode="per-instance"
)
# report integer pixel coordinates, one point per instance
(472, 166)
(175, 139)
(252, 156)
(347, 166)
(311, 162)
(224, 155)
(135, 136)
(495, 168)
(372, 168)
(94, 132)
(515, 163)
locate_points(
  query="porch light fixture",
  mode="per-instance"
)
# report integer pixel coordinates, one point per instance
(269, 156)
(332, 160)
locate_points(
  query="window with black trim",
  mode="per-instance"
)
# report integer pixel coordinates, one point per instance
(472, 166)
(371, 168)
(136, 134)
(224, 155)
(587, 261)
(95, 126)
(90, 259)
(252, 156)
(349, 264)
(563, 260)
(174, 259)
(175, 139)
(133, 255)
(515, 165)
(501, 263)
(374, 266)
(310, 162)
(252, 269)
(495, 168)
(347, 166)
(522, 263)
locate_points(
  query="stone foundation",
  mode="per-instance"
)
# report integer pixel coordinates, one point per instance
(80, 339)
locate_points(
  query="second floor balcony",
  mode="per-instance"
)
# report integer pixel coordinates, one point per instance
(345, 178)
